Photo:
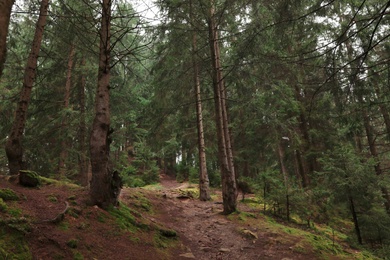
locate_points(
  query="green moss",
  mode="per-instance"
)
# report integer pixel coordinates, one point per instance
(52, 198)
(139, 201)
(168, 233)
(72, 243)
(77, 256)
(29, 178)
(101, 217)
(192, 192)
(3, 206)
(49, 181)
(156, 186)
(124, 218)
(64, 225)
(13, 244)
(14, 212)
(8, 194)
(241, 216)
(72, 197)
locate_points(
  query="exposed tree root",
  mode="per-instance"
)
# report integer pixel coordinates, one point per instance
(60, 217)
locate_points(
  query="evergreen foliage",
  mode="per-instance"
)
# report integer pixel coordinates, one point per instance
(307, 90)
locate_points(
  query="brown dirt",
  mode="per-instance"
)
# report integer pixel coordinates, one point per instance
(204, 233)
(207, 234)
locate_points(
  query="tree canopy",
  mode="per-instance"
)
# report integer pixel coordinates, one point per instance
(293, 95)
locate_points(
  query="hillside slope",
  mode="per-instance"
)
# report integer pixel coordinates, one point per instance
(162, 222)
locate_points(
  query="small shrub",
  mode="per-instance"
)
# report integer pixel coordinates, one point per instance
(215, 178)
(132, 181)
(52, 198)
(193, 175)
(3, 206)
(72, 243)
(78, 256)
(8, 194)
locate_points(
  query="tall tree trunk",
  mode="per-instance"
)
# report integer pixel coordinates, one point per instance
(301, 169)
(64, 144)
(13, 147)
(374, 154)
(281, 152)
(102, 192)
(83, 162)
(229, 187)
(204, 183)
(355, 220)
(306, 167)
(5, 14)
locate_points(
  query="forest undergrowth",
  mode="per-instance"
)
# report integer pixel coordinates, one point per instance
(161, 221)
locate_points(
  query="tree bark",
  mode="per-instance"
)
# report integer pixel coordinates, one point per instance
(306, 165)
(229, 187)
(64, 144)
(283, 169)
(374, 154)
(5, 14)
(13, 147)
(355, 220)
(204, 183)
(102, 192)
(83, 162)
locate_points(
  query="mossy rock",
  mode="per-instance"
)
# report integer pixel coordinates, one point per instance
(8, 194)
(168, 233)
(29, 179)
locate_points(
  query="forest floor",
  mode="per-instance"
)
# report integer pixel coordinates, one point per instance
(163, 222)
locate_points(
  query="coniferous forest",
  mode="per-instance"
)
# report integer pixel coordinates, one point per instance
(287, 100)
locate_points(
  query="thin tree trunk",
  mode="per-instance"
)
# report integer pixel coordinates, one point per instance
(13, 147)
(285, 177)
(204, 191)
(5, 14)
(83, 162)
(229, 187)
(355, 220)
(64, 144)
(306, 164)
(102, 192)
(301, 169)
(383, 109)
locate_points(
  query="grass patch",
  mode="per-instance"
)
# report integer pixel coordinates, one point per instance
(77, 256)
(156, 186)
(13, 244)
(64, 225)
(72, 243)
(124, 218)
(241, 216)
(164, 238)
(139, 201)
(3, 206)
(52, 198)
(8, 194)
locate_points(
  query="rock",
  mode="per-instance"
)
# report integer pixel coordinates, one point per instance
(224, 250)
(29, 178)
(220, 222)
(247, 247)
(249, 234)
(188, 255)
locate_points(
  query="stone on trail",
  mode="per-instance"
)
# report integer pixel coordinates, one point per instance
(188, 255)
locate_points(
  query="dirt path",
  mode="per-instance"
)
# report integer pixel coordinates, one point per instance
(207, 234)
